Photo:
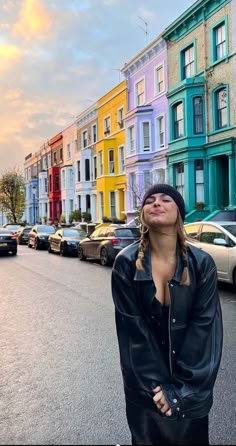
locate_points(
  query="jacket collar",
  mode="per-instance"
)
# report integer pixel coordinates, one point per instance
(147, 273)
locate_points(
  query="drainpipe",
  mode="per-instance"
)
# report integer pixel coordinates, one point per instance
(205, 74)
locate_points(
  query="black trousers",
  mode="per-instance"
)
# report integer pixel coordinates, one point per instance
(150, 428)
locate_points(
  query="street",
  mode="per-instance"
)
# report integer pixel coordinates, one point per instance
(60, 375)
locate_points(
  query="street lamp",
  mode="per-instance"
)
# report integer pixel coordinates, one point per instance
(34, 192)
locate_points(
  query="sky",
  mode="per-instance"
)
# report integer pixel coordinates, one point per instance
(58, 57)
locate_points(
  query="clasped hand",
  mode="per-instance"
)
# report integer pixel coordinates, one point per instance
(160, 401)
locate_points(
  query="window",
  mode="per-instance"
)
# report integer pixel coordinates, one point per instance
(61, 154)
(94, 167)
(68, 153)
(79, 201)
(107, 125)
(209, 233)
(75, 145)
(133, 190)
(178, 121)
(131, 146)
(159, 80)
(161, 131)
(71, 173)
(84, 139)
(110, 161)
(188, 62)
(146, 179)
(87, 169)
(71, 205)
(220, 41)
(101, 204)
(199, 181)
(139, 93)
(221, 105)
(94, 133)
(57, 185)
(120, 116)
(158, 176)
(121, 160)
(112, 204)
(45, 185)
(146, 136)
(63, 179)
(88, 203)
(179, 170)
(54, 157)
(49, 160)
(78, 171)
(50, 183)
(100, 163)
(198, 115)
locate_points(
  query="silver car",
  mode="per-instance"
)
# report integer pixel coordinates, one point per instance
(218, 238)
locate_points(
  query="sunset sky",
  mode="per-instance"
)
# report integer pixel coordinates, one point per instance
(57, 57)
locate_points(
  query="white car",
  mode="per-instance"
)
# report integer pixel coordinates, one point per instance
(218, 238)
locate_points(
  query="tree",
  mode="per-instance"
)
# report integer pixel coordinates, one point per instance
(12, 195)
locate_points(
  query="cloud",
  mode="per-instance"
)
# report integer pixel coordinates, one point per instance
(34, 20)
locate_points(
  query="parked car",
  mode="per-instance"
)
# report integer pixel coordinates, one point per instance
(218, 238)
(106, 242)
(23, 235)
(8, 242)
(38, 236)
(65, 241)
(13, 227)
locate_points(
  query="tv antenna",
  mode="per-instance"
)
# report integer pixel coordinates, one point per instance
(144, 29)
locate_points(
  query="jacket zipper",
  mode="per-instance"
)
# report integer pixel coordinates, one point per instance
(170, 347)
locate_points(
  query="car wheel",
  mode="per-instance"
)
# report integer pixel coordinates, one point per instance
(29, 245)
(36, 244)
(49, 248)
(62, 251)
(81, 255)
(14, 252)
(104, 258)
(234, 277)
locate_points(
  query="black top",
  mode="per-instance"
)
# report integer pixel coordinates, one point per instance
(160, 316)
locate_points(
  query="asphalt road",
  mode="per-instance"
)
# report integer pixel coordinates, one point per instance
(60, 381)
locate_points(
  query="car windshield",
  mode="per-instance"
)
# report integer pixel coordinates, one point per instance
(230, 228)
(27, 229)
(45, 228)
(5, 231)
(13, 227)
(125, 233)
(74, 233)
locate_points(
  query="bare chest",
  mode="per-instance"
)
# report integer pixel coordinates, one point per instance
(161, 274)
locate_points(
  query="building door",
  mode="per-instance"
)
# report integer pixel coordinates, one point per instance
(222, 173)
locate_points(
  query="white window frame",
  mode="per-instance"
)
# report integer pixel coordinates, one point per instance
(84, 139)
(188, 61)
(121, 154)
(111, 164)
(112, 206)
(220, 41)
(157, 81)
(100, 163)
(107, 125)
(94, 133)
(120, 117)
(160, 144)
(139, 94)
(146, 139)
(131, 140)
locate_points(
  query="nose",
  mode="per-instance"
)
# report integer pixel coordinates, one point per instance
(157, 202)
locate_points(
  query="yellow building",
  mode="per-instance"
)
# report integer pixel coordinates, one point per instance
(110, 151)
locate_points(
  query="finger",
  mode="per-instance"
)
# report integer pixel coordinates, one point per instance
(158, 397)
(157, 389)
(168, 413)
(165, 408)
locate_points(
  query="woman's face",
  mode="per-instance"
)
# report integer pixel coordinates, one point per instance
(160, 210)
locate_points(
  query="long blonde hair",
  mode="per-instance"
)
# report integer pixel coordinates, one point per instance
(182, 239)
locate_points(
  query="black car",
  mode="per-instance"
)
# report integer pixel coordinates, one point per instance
(106, 242)
(23, 235)
(65, 241)
(38, 236)
(13, 227)
(8, 242)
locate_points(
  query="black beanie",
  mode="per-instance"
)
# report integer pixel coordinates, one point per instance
(168, 190)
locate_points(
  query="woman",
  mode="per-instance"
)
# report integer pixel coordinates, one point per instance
(169, 326)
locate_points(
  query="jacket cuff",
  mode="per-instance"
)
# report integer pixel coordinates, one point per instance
(175, 401)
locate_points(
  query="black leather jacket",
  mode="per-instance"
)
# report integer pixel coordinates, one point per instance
(195, 333)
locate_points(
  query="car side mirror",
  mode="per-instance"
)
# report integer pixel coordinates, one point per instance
(220, 242)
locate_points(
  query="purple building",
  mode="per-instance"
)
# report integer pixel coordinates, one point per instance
(146, 122)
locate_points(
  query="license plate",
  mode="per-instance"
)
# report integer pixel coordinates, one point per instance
(3, 244)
